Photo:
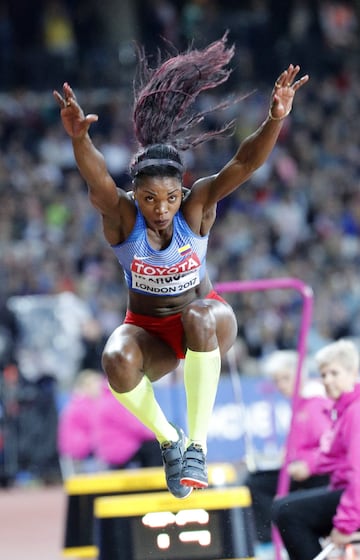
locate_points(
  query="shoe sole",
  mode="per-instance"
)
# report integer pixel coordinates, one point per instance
(193, 483)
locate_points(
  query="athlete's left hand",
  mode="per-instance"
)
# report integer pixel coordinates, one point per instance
(284, 91)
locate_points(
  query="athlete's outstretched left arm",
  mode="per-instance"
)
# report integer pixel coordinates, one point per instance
(256, 148)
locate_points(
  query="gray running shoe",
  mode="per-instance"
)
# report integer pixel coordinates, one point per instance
(172, 456)
(194, 472)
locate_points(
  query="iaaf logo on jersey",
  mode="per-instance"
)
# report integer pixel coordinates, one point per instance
(190, 263)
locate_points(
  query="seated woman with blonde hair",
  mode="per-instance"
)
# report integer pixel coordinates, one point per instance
(311, 420)
(304, 517)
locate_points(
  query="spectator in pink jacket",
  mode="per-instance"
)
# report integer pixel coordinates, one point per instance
(306, 516)
(95, 433)
(311, 420)
(76, 423)
(120, 439)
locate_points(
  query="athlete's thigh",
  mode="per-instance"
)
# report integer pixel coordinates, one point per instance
(149, 353)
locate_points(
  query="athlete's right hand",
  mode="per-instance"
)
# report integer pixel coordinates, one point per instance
(75, 122)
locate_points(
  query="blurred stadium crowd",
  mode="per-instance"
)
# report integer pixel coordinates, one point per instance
(299, 216)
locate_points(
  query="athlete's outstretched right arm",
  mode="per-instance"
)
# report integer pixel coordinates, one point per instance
(103, 192)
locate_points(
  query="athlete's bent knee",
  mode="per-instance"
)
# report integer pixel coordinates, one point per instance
(119, 369)
(198, 315)
(199, 318)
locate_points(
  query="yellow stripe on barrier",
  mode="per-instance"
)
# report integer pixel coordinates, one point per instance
(139, 504)
(81, 552)
(116, 481)
(145, 479)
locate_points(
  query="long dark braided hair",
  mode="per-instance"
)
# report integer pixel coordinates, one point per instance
(163, 98)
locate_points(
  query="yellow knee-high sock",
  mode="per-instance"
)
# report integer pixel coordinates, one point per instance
(201, 379)
(142, 403)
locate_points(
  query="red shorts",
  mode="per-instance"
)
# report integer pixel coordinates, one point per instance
(169, 329)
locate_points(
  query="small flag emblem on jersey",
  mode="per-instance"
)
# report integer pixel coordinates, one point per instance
(185, 249)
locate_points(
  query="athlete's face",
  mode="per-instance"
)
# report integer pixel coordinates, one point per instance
(159, 199)
(337, 379)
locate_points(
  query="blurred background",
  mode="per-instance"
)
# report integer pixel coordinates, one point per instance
(61, 289)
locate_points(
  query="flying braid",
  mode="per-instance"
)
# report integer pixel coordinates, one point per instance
(164, 97)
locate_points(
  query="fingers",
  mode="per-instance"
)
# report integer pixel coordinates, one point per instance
(291, 73)
(68, 95)
(61, 101)
(300, 82)
(58, 97)
(287, 77)
(67, 98)
(91, 118)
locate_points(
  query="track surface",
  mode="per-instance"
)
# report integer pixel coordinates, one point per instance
(31, 523)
